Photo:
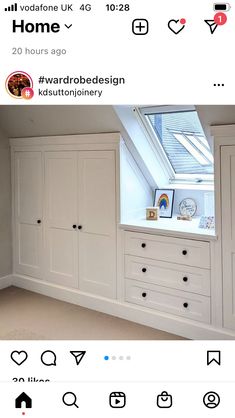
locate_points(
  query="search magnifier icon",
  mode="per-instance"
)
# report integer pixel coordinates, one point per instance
(70, 399)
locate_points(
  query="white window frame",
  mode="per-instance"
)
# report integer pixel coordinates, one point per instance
(174, 178)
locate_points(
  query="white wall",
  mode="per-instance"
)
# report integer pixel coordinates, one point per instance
(136, 193)
(5, 208)
(197, 195)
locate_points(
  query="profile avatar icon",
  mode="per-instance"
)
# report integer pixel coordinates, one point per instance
(211, 400)
(19, 85)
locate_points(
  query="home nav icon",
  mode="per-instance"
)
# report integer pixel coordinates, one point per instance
(23, 401)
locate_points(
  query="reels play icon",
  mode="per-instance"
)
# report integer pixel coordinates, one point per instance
(117, 399)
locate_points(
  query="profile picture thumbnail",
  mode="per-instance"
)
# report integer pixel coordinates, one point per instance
(16, 83)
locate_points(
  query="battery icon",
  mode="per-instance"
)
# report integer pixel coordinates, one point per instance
(222, 7)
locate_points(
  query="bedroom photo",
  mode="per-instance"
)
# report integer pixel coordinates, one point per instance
(117, 222)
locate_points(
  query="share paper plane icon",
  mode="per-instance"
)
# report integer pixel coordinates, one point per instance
(212, 25)
(78, 356)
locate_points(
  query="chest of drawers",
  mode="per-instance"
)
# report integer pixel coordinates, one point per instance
(168, 274)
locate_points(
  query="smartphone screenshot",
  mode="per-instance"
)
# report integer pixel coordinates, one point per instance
(117, 208)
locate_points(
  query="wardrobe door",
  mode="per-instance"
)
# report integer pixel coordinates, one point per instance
(28, 213)
(97, 222)
(61, 231)
(228, 233)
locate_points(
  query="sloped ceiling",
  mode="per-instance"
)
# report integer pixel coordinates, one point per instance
(215, 115)
(28, 120)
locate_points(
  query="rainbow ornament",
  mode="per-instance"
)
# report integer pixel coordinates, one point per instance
(163, 201)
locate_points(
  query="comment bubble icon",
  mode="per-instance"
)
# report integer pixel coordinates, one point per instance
(48, 358)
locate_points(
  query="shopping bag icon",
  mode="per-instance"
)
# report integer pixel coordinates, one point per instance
(164, 400)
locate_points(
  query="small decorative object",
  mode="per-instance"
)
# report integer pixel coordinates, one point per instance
(152, 213)
(184, 218)
(207, 222)
(164, 198)
(188, 207)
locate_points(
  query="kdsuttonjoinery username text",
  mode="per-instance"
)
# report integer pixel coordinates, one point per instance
(72, 92)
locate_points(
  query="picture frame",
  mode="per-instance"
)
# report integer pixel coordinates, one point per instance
(164, 198)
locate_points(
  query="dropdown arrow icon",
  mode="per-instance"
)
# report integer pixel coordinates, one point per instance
(68, 26)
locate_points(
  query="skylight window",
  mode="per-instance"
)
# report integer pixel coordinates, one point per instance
(180, 138)
(192, 146)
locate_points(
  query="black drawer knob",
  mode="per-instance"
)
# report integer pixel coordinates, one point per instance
(79, 226)
(185, 305)
(39, 221)
(74, 226)
(143, 245)
(144, 269)
(144, 294)
(184, 252)
(185, 279)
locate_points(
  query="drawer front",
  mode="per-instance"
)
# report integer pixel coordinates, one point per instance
(175, 302)
(189, 279)
(174, 250)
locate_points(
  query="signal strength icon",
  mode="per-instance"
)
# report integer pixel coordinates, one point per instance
(12, 8)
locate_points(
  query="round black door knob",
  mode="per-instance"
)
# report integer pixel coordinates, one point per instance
(144, 269)
(79, 226)
(185, 279)
(144, 294)
(184, 252)
(185, 305)
(143, 245)
(39, 221)
(74, 226)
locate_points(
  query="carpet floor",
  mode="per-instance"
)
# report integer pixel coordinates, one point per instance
(26, 315)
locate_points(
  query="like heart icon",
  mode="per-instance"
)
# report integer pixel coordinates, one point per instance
(19, 357)
(176, 26)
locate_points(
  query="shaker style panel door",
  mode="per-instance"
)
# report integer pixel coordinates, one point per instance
(228, 233)
(28, 213)
(97, 219)
(61, 188)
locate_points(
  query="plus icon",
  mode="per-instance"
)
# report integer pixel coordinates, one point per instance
(140, 26)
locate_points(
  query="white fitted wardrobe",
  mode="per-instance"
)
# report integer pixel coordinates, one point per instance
(70, 244)
(225, 152)
(66, 211)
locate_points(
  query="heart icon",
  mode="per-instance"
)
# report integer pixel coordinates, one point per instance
(19, 357)
(176, 26)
